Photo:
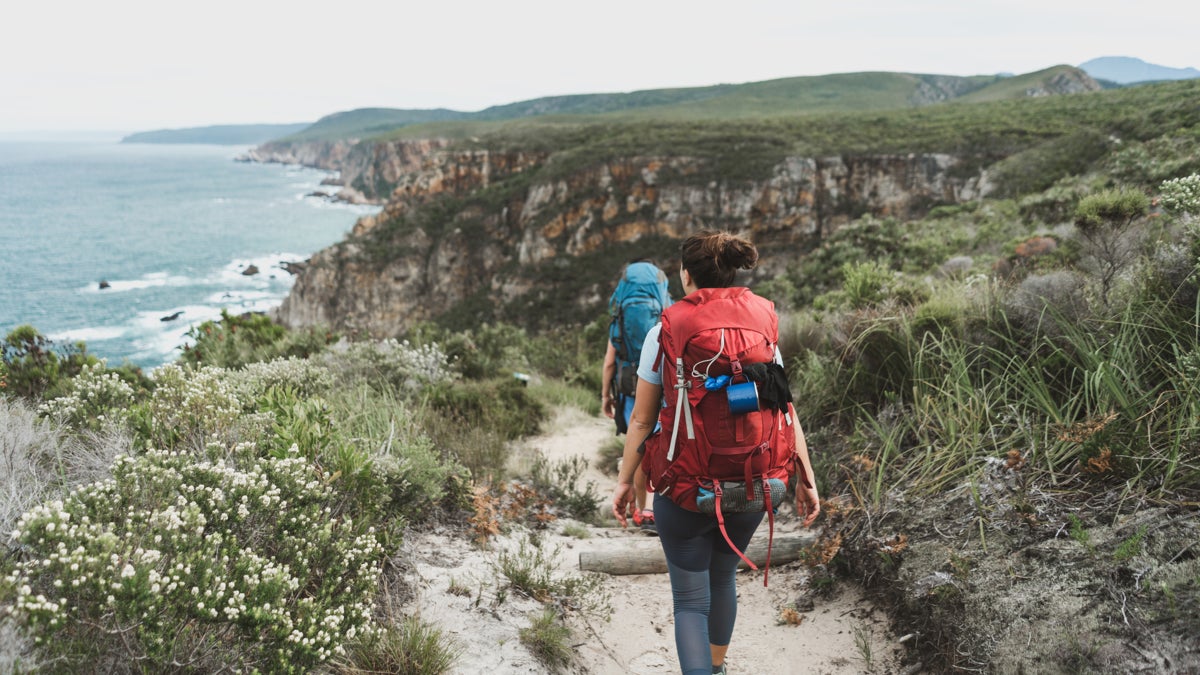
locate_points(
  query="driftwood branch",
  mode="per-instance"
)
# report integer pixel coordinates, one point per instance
(646, 556)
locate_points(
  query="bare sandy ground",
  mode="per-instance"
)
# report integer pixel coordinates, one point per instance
(457, 588)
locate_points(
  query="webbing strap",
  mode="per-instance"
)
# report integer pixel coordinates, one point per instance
(682, 405)
(771, 522)
(724, 532)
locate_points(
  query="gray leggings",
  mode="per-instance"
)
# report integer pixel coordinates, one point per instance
(703, 577)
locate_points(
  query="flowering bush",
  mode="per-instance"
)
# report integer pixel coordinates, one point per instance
(1182, 194)
(405, 366)
(194, 405)
(94, 398)
(306, 377)
(174, 563)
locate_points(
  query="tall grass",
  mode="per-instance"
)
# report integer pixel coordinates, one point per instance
(1107, 397)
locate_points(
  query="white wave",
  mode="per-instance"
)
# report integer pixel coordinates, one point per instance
(270, 271)
(90, 334)
(239, 299)
(151, 280)
(325, 203)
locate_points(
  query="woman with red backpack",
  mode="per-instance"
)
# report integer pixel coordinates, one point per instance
(711, 375)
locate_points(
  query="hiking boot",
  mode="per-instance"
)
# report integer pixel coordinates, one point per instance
(719, 670)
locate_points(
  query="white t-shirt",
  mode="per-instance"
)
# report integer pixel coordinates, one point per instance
(650, 371)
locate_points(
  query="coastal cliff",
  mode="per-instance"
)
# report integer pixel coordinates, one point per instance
(487, 234)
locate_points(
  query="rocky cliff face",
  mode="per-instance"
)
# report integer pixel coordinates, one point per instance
(368, 171)
(496, 234)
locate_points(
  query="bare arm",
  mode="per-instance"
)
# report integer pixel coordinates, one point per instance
(808, 502)
(607, 402)
(646, 405)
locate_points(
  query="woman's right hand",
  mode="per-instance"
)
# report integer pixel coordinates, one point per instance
(808, 503)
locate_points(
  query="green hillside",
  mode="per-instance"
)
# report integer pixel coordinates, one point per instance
(837, 93)
(847, 92)
(1018, 87)
(590, 104)
(227, 134)
(366, 122)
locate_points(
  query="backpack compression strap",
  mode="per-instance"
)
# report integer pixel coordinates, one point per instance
(684, 405)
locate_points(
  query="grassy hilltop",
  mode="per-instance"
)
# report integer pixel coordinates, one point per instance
(838, 93)
(1001, 397)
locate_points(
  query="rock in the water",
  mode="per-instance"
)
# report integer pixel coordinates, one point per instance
(104, 284)
(294, 268)
(171, 317)
(250, 270)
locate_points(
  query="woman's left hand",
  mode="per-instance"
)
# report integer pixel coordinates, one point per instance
(622, 498)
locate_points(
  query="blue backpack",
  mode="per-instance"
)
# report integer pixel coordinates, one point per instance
(634, 308)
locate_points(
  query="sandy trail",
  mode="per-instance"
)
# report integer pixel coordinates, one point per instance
(835, 637)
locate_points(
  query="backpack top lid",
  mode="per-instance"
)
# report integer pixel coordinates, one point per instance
(717, 326)
(641, 280)
(635, 306)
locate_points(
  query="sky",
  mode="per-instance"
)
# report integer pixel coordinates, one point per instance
(138, 65)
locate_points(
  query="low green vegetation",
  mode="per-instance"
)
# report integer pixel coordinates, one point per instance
(240, 515)
(549, 640)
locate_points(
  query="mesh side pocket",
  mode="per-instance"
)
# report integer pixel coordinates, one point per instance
(733, 497)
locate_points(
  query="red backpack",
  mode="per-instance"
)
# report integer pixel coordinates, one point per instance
(714, 332)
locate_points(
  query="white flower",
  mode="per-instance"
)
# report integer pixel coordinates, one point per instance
(128, 571)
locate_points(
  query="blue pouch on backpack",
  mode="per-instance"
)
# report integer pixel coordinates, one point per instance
(733, 497)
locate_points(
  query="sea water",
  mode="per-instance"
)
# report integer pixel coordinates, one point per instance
(171, 229)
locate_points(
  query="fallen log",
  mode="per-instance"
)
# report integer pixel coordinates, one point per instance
(646, 557)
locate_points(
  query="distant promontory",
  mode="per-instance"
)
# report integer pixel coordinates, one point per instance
(227, 134)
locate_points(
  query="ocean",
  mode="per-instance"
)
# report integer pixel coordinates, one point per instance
(170, 228)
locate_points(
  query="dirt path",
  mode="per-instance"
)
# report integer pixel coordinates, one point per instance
(458, 589)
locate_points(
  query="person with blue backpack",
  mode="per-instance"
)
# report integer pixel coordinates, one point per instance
(634, 308)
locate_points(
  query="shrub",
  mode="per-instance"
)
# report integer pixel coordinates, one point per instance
(407, 473)
(29, 460)
(1105, 221)
(35, 367)
(307, 377)
(191, 406)
(560, 482)
(571, 354)
(530, 570)
(502, 404)
(411, 647)
(865, 283)
(488, 351)
(1040, 166)
(1182, 195)
(400, 365)
(549, 640)
(235, 341)
(210, 565)
(38, 459)
(1044, 304)
(92, 400)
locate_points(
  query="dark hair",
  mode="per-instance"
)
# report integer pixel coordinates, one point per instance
(713, 258)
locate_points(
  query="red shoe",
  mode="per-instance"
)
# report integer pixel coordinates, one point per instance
(648, 521)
